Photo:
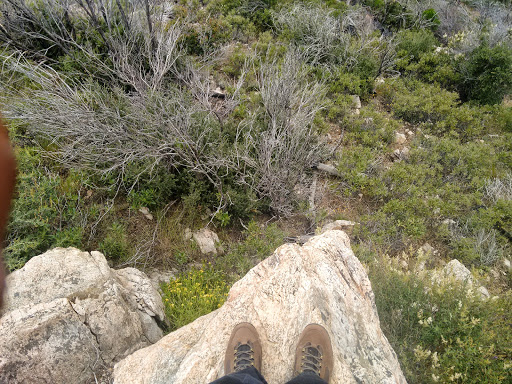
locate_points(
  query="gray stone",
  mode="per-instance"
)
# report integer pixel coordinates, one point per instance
(458, 271)
(321, 282)
(146, 213)
(341, 225)
(449, 222)
(219, 93)
(46, 343)
(400, 138)
(356, 101)
(69, 316)
(427, 250)
(207, 241)
(55, 274)
(506, 263)
(158, 277)
(329, 169)
(484, 293)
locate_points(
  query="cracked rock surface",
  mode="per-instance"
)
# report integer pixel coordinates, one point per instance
(69, 317)
(321, 282)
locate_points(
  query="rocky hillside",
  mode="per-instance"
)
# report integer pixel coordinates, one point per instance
(190, 139)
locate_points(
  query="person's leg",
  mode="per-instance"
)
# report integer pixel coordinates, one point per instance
(248, 375)
(313, 357)
(242, 363)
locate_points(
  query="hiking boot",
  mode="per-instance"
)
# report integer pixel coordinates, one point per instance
(244, 349)
(314, 352)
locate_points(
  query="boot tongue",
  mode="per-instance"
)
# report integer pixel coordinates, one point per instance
(311, 360)
(243, 357)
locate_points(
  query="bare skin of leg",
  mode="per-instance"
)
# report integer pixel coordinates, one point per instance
(7, 182)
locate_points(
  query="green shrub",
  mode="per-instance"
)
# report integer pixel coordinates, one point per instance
(142, 198)
(193, 294)
(259, 243)
(370, 128)
(413, 44)
(442, 334)
(47, 211)
(441, 178)
(357, 167)
(345, 82)
(486, 74)
(423, 103)
(431, 16)
(434, 67)
(115, 243)
(392, 14)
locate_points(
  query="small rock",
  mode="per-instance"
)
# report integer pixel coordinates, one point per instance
(158, 277)
(146, 213)
(400, 138)
(449, 222)
(437, 211)
(409, 133)
(506, 263)
(458, 271)
(357, 112)
(356, 101)
(340, 225)
(404, 264)
(219, 93)
(401, 154)
(427, 249)
(327, 168)
(420, 266)
(483, 292)
(207, 241)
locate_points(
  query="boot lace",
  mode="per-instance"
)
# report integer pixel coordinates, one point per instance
(244, 357)
(311, 360)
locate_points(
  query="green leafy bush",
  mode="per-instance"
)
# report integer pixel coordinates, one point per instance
(486, 74)
(259, 242)
(417, 102)
(413, 44)
(115, 243)
(47, 211)
(442, 333)
(193, 294)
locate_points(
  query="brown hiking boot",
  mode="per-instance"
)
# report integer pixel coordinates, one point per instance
(244, 349)
(314, 352)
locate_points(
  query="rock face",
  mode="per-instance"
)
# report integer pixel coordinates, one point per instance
(69, 316)
(321, 282)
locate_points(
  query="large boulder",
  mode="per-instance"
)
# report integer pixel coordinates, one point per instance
(321, 282)
(69, 317)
